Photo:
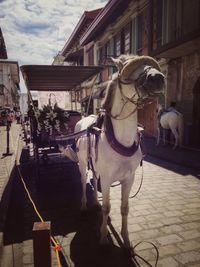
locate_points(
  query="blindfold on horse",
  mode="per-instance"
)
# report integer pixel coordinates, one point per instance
(114, 151)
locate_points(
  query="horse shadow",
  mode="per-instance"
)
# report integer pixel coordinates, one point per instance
(57, 195)
(85, 250)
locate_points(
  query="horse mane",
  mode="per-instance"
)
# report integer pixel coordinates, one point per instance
(107, 101)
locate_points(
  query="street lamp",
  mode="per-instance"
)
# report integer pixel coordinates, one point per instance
(8, 153)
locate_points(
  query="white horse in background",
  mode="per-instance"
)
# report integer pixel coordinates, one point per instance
(172, 120)
(114, 153)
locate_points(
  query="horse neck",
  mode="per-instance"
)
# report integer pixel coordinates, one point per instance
(125, 126)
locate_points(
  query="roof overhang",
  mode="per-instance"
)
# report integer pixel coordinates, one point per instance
(75, 55)
(85, 20)
(178, 49)
(56, 77)
(106, 16)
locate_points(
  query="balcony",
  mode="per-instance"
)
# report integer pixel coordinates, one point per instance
(178, 48)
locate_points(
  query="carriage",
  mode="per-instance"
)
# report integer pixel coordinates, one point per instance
(114, 153)
(45, 135)
(52, 122)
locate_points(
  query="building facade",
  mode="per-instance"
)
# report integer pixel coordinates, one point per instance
(9, 79)
(72, 54)
(9, 84)
(175, 28)
(167, 30)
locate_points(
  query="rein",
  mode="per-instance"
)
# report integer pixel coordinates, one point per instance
(109, 131)
(138, 103)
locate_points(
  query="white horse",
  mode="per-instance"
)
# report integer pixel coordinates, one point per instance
(172, 120)
(114, 153)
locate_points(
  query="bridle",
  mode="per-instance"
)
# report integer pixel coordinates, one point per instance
(139, 103)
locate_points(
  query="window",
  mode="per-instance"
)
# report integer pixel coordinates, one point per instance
(127, 39)
(90, 56)
(159, 14)
(169, 21)
(180, 17)
(105, 52)
(122, 41)
(102, 55)
(137, 34)
(191, 10)
(117, 42)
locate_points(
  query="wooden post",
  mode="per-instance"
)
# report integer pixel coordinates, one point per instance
(42, 244)
(8, 125)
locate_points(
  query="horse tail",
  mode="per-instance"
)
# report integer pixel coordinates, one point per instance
(180, 129)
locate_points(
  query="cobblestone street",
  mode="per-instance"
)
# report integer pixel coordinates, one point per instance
(100, 133)
(165, 212)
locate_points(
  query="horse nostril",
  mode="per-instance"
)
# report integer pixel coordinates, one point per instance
(156, 78)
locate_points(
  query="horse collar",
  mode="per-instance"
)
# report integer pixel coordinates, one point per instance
(118, 147)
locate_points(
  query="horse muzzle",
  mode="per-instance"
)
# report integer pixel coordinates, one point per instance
(154, 83)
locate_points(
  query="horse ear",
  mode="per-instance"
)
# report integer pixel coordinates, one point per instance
(118, 63)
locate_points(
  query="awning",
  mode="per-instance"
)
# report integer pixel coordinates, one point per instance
(56, 77)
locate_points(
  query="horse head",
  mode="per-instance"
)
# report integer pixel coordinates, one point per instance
(143, 71)
(139, 73)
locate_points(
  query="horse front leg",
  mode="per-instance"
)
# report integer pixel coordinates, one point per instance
(95, 185)
(105, 210)
(83, 172)
(126, 188)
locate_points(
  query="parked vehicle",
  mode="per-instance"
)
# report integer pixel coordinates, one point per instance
(2, 117)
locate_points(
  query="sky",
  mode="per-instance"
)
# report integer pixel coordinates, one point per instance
(36, 30)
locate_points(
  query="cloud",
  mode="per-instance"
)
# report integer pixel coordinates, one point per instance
(36, 30)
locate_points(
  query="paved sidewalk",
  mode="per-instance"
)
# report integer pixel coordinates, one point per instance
(166, 212)
(182, 156)
(7, 162)
(7, 169)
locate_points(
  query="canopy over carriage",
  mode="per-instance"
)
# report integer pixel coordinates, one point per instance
(138, 78)
(54, 78)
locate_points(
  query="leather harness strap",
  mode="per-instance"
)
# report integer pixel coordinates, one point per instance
(119, 148)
